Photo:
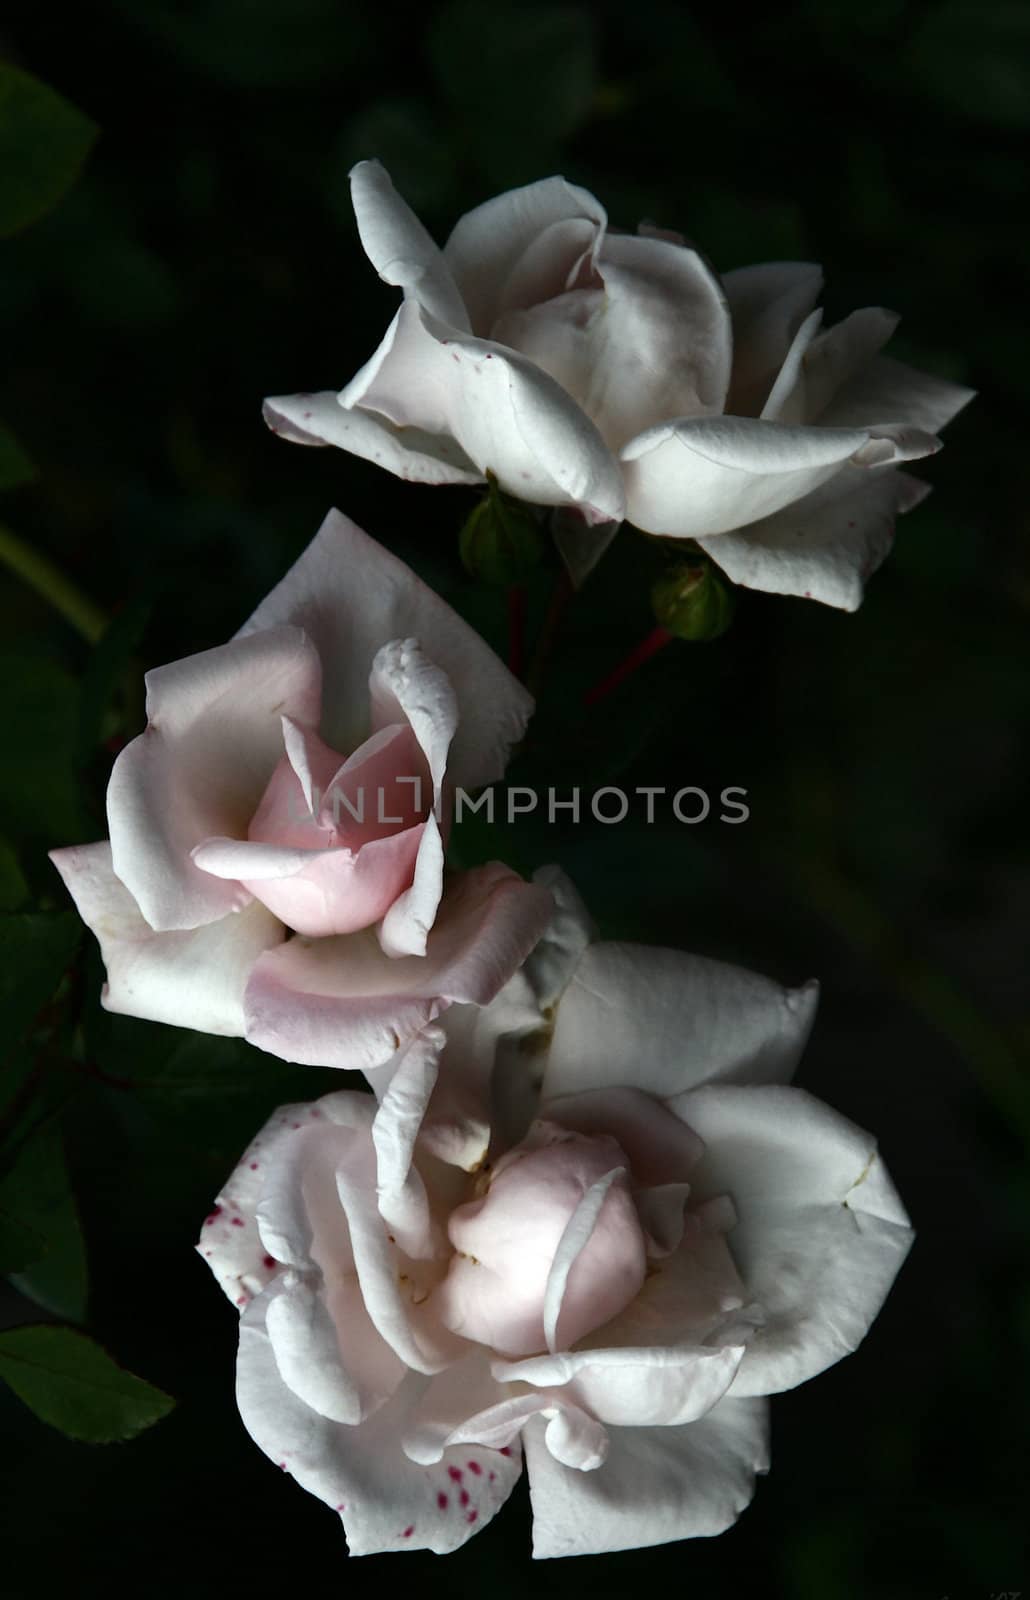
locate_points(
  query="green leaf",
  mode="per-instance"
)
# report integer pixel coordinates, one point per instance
(36, 947)
(43, 143)
(20, 1243)
(37, 1192)
(15, 466)
(69, 1381)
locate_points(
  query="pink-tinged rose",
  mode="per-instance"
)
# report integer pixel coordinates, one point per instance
(276, 861)
(617, 376)
(589, 1227)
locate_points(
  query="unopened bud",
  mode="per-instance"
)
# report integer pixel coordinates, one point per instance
(693, 602)
(501, 541)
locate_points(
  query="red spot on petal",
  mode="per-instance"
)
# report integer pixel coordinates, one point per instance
(474, 1466)
(213, 1216)
(409, 1530)
(341, 1507)
(294, 1124)
(505, 1451)
(268, 1261)
(238, 1222)
(242, 1301)
(464, 1497)
(455, 1474)
(442, 1501)
(253, 1166)
(473, 1516)
(315, 1113)
(493, 1475)
(282, 1466)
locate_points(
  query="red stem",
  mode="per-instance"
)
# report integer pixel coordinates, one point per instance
(656, 640)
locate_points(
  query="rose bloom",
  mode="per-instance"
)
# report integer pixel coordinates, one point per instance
(590, 1225)
(275, 867)
(619, 376)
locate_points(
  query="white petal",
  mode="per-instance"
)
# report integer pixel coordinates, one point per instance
(840, 355)
(405, 929)
(888, 390)
(486, 244)
(399, 247)
(320, 419)
(653, 343)
(661, 1021)
(386, 1501)
(230, 1240)
(768, 304)
(669, 1356)
(212, 741)
(821, 1231)
(703, 476)
(342, 1002)
(825, 546)
(334, 1360)
(191, 979)
(508, 416)
(352, 596)
(403, 1203)
(657, 1484)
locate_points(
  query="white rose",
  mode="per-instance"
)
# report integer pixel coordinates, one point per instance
(617, 375)
(591, 1223)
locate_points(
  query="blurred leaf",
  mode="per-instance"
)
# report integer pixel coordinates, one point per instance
(13, 888)
(977, 58)
(41, 798)
(255, 44)
(20, 1243)
(73, 1384)
(38, 1192)
(405, 137)
(517, 86)
(36, 947)
(15, 466)
(43, 143)
(107, 665)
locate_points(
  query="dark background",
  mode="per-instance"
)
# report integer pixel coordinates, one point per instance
(207, 257)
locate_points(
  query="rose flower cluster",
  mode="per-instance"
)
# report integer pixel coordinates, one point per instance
(578, 1221)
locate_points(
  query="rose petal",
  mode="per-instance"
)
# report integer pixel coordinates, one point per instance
(319, 892)
(213, 740)
(486, 245)
(657, 1484)
(708, 475)
(821, 1232)
(193, 978)
(670, 1355)
(386, 1502)
(659, 1145)
(399, 247)
(342, 1002)
(508, 416)
(825, 546)
(768, 304)
(654, 342)
(889, 389)
(352, 597)
(230, 1239)
(320, 419)
(661, 1021)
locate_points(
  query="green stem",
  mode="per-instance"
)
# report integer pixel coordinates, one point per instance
(40, 573)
